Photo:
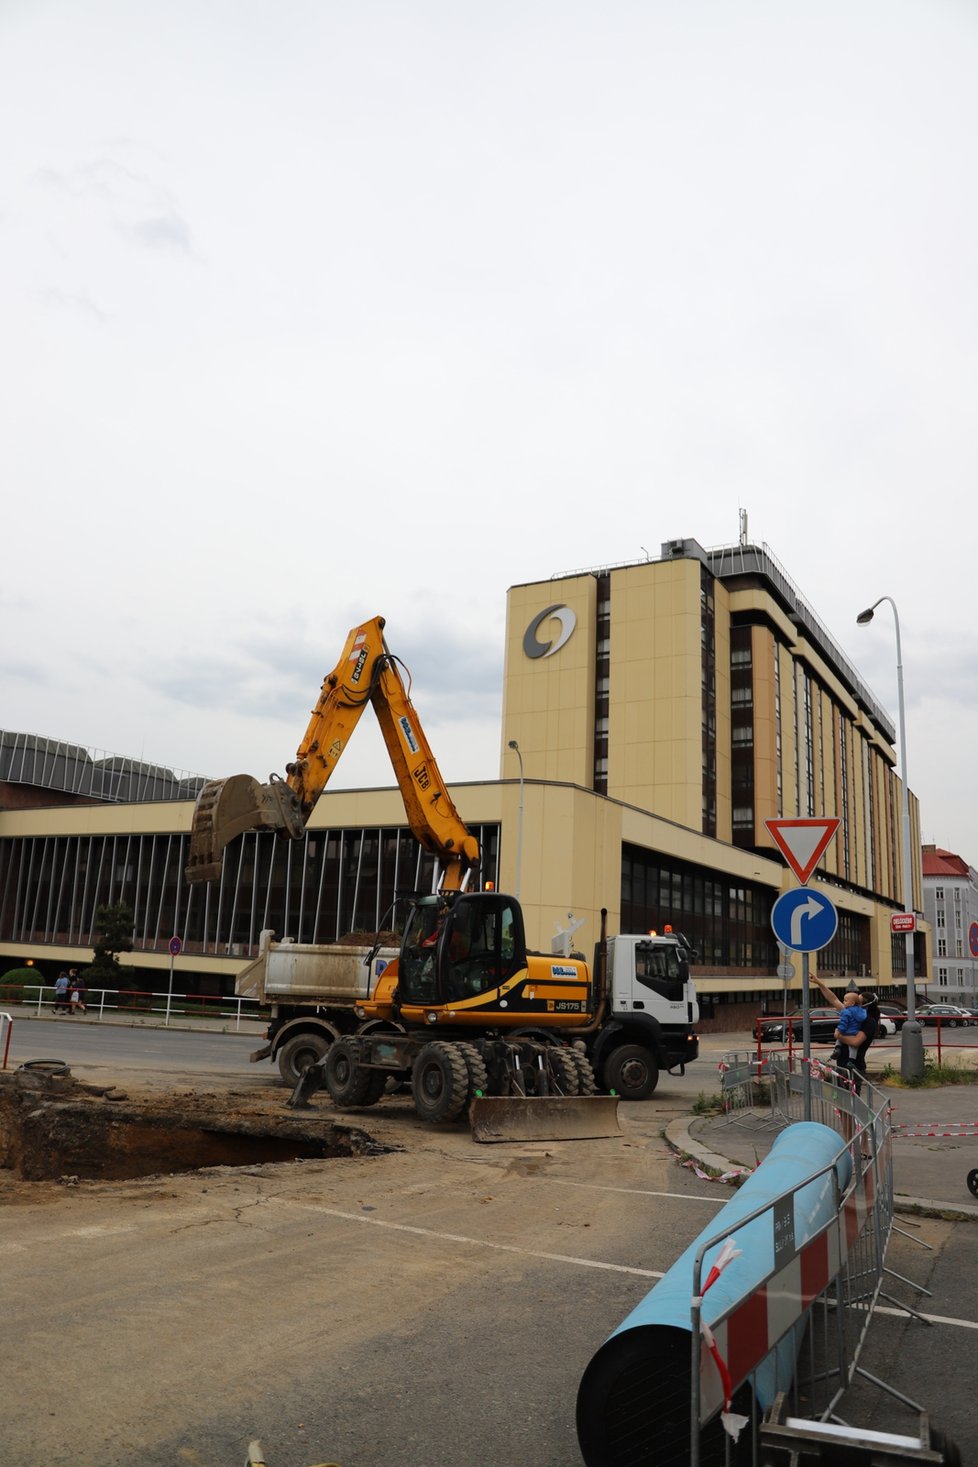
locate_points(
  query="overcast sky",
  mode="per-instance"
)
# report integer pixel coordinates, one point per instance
(316, 311)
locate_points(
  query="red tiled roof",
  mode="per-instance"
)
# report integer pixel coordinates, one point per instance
(943, 863)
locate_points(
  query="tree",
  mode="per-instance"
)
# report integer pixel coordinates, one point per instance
(113, 935)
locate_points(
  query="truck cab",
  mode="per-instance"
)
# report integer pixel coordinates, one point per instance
(653, 1010)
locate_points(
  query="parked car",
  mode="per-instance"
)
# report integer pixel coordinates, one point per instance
(950, 1015)
(896, 1015)
(823, 1026)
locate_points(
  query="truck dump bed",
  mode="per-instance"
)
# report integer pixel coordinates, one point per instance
(303, 973)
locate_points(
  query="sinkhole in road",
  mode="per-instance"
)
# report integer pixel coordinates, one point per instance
(46, 1137)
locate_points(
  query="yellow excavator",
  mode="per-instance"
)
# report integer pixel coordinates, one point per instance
(466, 1014)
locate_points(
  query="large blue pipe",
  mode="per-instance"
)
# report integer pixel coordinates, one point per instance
(633, 1404)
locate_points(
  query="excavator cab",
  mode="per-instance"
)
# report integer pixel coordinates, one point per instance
(457, 946)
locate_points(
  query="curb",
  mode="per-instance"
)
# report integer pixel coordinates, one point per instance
(678, 1136)
(205, 1026)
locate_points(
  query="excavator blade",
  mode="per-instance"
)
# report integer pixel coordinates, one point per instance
(543, 1117)
(227, 807)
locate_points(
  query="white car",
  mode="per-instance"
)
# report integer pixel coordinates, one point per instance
(886, 1026)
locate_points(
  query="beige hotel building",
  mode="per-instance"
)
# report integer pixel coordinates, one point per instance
(661, 712)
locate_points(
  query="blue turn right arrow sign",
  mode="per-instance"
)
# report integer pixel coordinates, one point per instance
(804, 920)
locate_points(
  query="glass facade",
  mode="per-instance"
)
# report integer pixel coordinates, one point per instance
(330, 883)
(728, 921)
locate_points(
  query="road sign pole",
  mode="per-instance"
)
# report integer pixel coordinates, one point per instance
(176, 948)
(806, 1033)
(169, 993)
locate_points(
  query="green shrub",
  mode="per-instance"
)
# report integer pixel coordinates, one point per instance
(13, 984)
(935, 1075)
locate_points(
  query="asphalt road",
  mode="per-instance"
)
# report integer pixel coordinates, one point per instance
(85, 1043)
(435, 1305)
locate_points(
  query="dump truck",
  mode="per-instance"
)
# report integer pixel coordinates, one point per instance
(312, 991)
(465, 1014)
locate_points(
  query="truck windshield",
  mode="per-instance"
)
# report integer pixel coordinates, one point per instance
(661, 968)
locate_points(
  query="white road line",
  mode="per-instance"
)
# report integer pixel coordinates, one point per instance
(933, 1318)
(637, 1191)
(379, 1222)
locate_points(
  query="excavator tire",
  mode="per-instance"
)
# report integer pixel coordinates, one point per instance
(585, 1074)
(349, 1082)
(476, 1066)
(564, 1073)
(440, 1081)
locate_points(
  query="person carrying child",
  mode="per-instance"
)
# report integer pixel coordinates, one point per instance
(858, 1024)
(851, 1020)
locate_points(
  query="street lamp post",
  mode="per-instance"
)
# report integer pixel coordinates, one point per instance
(911, 1035)
(519, 823)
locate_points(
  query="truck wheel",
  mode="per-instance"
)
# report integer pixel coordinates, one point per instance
(476, 1067)
(349, 1082)
(632, 1072)
(298, 1053)
(439, 1082)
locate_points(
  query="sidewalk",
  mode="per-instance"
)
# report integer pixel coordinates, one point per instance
(935, 1145)
(118, 1018)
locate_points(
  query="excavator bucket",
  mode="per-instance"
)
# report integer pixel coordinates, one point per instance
(544, 1117)
(227, 807)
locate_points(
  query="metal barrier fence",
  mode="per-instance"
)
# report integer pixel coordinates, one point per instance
(108, 1003)
(796, 1340)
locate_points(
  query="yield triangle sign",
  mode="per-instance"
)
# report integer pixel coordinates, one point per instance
(802, 842)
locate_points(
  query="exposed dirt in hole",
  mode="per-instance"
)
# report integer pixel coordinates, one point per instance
(54, 1128)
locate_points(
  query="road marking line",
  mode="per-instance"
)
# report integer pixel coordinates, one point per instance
(379, 1222)
(933, 1318)
(636, 1191)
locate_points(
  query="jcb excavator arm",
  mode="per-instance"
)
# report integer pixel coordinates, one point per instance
(366, 672)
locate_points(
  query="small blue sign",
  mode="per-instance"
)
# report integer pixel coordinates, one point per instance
(804, 920)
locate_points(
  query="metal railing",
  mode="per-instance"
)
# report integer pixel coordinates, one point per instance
(138, 1006)
(793, 1047)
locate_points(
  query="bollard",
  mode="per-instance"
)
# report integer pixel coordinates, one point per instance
(635, 1399)
(912, 1049)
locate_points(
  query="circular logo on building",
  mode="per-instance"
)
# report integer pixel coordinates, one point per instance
(534, 646)
(973, 939)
